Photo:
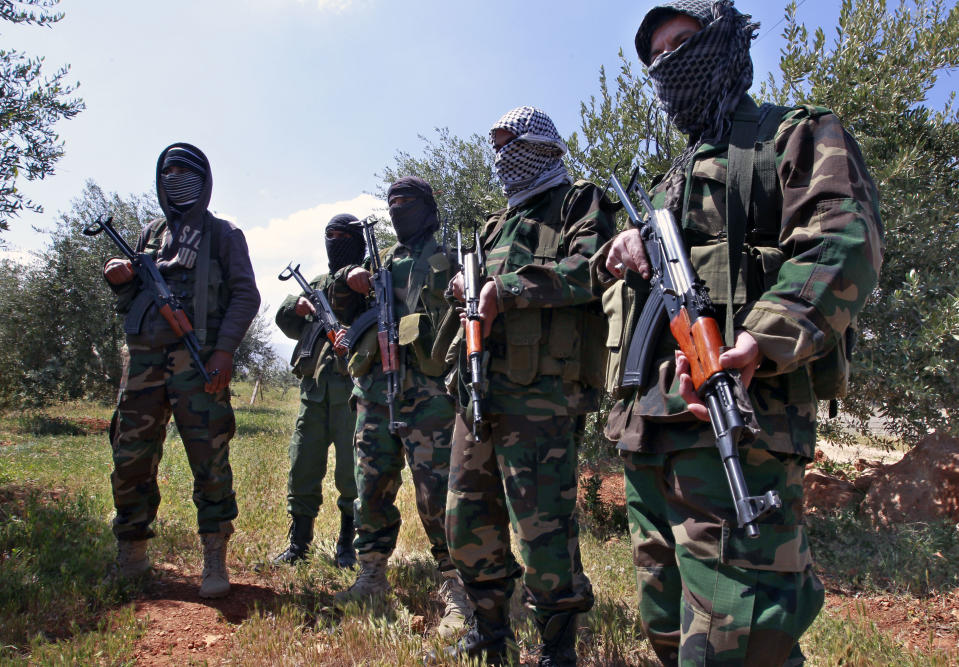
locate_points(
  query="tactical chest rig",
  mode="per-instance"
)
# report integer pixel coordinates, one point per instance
(564, 342)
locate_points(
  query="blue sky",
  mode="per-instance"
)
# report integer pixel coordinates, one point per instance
(299, 103)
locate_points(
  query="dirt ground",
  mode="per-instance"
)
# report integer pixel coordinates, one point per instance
(182, 628)
(925, 625)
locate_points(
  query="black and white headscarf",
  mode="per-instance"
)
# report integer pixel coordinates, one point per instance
(700, 83)
(184, 188)
(533, 161)
(182, 193)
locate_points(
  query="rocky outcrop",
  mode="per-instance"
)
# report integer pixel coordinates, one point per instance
(824, 493)
(923, 486)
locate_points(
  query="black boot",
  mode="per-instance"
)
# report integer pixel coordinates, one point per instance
(301, 534)
(559, 640)
(489, 639)
(345, 553)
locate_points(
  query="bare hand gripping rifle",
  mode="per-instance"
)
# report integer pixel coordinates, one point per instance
(472, 263)
(146, 269)
(678, 296)
(324, 313)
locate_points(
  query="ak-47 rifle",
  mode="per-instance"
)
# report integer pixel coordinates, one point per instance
(472, 263)
(146, 269)
(387, 328)
(324, 313)
(679, 296)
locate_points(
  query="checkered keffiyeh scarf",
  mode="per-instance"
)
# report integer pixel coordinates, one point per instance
(700, 83)
(533, 161)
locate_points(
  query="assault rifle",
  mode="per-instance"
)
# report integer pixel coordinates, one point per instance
(324, 313)
(472, 263)
(168, 305)
(387, 328)
(679, 296)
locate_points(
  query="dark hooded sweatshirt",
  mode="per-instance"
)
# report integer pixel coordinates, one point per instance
(233, 299)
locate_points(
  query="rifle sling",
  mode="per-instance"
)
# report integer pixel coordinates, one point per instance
(201, 285)
(418, 275)
(739, 185)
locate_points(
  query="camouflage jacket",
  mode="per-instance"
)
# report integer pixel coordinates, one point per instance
(318, 367)
(816, 270)
(418, 328)
(544, 343)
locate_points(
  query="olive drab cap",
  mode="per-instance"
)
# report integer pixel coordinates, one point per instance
(701, 10)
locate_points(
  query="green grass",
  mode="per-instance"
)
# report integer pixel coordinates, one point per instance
(836, 641)
(913, 559)
(58, 607)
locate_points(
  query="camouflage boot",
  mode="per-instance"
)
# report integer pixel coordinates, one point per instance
(132, 559)
(559, 640)
(300, 535)
(345, 555)
(216, 579)
(459, 608)
(370, 582)
(488, 639)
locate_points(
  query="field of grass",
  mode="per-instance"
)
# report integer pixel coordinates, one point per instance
(58, 607)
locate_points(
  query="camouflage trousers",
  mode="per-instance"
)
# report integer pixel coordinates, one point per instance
(158, 383)
(709, 595)
(524, 473)
(425, 445)
(320, 422)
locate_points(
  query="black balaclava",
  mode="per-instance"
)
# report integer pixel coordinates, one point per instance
(345, 251)
(700, 84)
(185, 188)
(414, 220)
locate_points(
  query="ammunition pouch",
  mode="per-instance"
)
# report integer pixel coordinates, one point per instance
(622, 303)
(450, 332)
(415, 331)
(758, 271)
(364, 352)
(830, 373)
(564, 351)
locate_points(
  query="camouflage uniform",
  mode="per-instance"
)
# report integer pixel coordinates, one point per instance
(423, 404)
(157, 382)
(326, 415)
(707, 593)
(540, 364)
(159, 377)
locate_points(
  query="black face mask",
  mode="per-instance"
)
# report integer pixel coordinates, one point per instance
(344, 251)
(412, 220)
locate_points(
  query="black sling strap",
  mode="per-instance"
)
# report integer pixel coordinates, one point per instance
(752, 156)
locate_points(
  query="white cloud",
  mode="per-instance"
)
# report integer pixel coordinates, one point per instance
(298, 238)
